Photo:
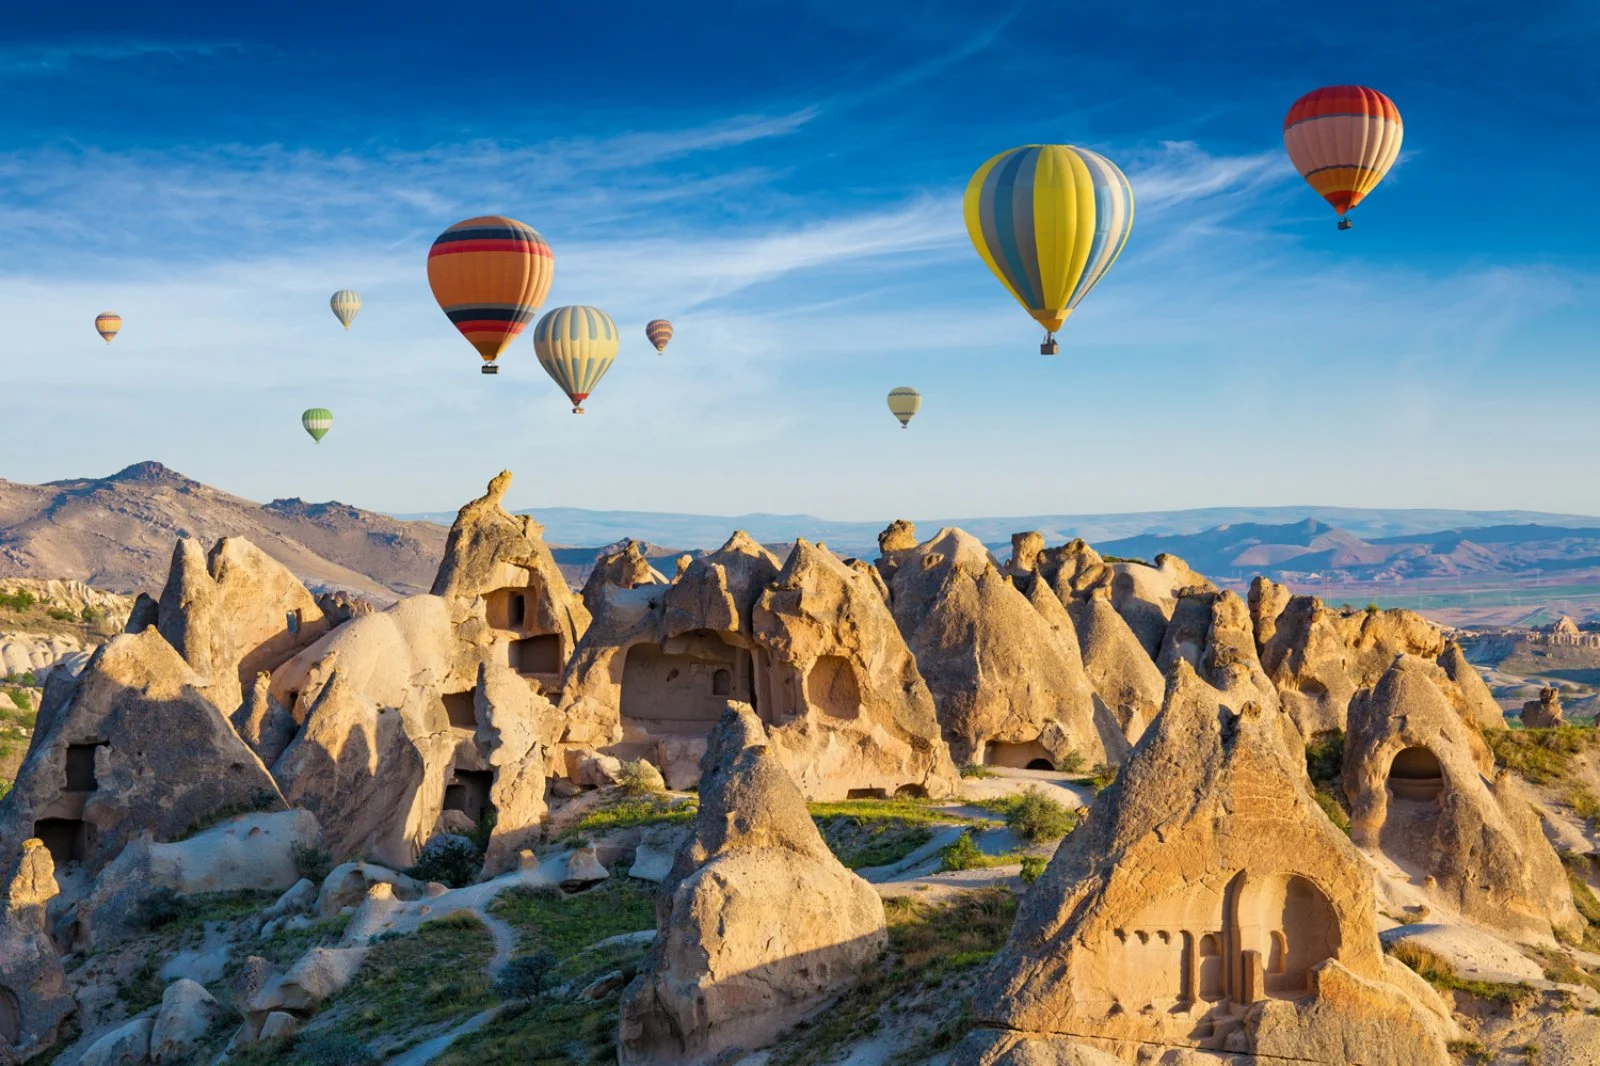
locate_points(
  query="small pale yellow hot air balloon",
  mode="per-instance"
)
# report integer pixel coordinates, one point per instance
(108, 324)
(346, 305)
(576, 346)
(904, 403)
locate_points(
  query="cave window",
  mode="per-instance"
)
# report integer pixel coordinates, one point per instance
(1277, 952)
(518, 610)
(722, 683)
(80, 768)
(66, 838)
(459, 708)
(537, 655)
(1041, 764)
(1416, 774)
(468, 793)
(294, 618)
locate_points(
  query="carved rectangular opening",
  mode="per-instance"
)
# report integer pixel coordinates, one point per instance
(508, 608)
(66, 838)
(1029, 756)
(537, 655)
(461, 710)
(684, 692)
(468, 792)
(80, 768)
(867, 794)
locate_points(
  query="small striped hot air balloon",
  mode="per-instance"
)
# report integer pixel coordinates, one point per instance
(346, 304)
(108, 324)
(317, 421)
(660, 332)
(576, 346)
(490, 274)
(904, 403)
(1343, 139)
(1049, 220)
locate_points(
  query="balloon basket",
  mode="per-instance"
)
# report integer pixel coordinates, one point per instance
(1050, 347)
(489, 368)
(577, 410)
(1344, 223)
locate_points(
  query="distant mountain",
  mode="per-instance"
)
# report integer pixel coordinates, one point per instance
(117, 533)
(573, 525)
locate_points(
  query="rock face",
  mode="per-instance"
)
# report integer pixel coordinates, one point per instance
(1418, 780)
(1124, 677)
(505, 591)
(34, 999)
(624, 568)
(1007, 688)
(1544, 712)
(1206, 902)
(1477, 701)
(133, 745)
(813, 649)
(758, 924)
(1146, 595)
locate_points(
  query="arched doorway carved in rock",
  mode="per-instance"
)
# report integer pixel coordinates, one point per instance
(1414, 794)
(1281, 926)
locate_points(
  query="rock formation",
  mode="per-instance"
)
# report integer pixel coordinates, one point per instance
(1544, 712)
(1146, 595)
(1007, 688)
(132, 745)
(759, 925)
(1124, 678)
(34, 999)
(625, 568)
(1424, 794)
(1207, 902)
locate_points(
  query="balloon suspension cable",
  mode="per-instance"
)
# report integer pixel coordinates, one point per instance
(1049, 347)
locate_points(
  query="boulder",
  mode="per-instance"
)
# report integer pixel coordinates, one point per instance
(310, 982)
(1124, 678)
(262, 722)
(253, 852)
(1424, 795)
(1074, 570)
(1207, 903)
(347, 885)
(1544, 712)
(32, 978)
(126, 1045)
(186, 1015)
(583, 868)
(1145, 595)
(846, 707)
(1477, 702)
(133, 746)
(1002, 679)
(624, 567)
(517, 728)
(759, 925)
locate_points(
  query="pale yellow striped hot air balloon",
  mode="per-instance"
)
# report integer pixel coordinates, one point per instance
(576, 346)
(108, 324)
(904, 403)
(346, 305)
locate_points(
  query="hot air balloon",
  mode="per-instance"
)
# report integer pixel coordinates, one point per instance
(108, 324)
(490, 275)
(317, 421)
(659, 331)
(904, 403)
(1343, 140)
(576, 346)
(345, 304)
(1049, 220)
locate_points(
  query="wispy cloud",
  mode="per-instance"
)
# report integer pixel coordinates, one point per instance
(40, 60)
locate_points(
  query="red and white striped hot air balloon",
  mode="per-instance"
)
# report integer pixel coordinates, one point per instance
(1343, 139)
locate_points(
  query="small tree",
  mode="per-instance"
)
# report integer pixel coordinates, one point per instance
(313, 861)
(524, 976)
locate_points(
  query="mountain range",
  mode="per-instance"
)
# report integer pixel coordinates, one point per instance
(117, 533)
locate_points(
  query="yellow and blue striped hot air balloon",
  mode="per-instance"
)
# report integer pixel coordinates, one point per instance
(317, 421)
(1049, 220)
(345, 304)
(576, 346)
(108, 324)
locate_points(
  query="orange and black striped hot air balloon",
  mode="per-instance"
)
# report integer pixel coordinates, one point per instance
(1343, 140)
(108, 324)
(659, 330)
(490, 275)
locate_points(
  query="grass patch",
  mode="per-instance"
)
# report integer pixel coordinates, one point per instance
(1540, 755)
(1033, 867)
(1101, 776)
(860, 843)
(976, 772)
(903, 808)
(1333, 809)
(931, 946)
(564, 925)
(543, 1032)
(283, 947)
(625, 812)
(1583, 801)
(965, 854)
(1441, 975)
(434, 975)
(1325, 760)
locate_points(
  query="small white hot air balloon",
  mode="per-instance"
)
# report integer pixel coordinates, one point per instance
(904, 403)
(345, 304)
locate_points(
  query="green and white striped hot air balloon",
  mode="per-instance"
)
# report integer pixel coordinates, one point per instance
(904, 403)
(576, 346)
(317, 421)
(345, 304)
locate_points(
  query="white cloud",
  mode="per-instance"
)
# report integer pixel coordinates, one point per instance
(35, 60)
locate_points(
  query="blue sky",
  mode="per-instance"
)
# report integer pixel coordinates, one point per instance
(783, 183)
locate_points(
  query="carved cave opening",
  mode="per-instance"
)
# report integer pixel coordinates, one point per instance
(1416, 775)
(537, 655)
(80, 768)
(468, 792)
(1415, 786)
(831, 687)
(66, 838)
(684, 691)
(460, 708)
(1029, 756)
(508, 608)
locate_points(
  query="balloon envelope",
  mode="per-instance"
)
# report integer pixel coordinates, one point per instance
(1343, 139)
(576, 346)
(660, 332)
(1049, 220)
(345, 304)
(904, 403)
(490, 274)
(108, 324)
(317, 421)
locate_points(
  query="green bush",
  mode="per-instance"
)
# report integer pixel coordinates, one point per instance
(162, 907)
(451, 861)
(1036, 816)
(21, 600)
(965, 854)
(637, 778)
(61, 614)
(1032, 867)
(1071, 763)
(977, 772)
(1325, 759)
(313, 861)
(19, 699)
(524, 976)
(1101, 776)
